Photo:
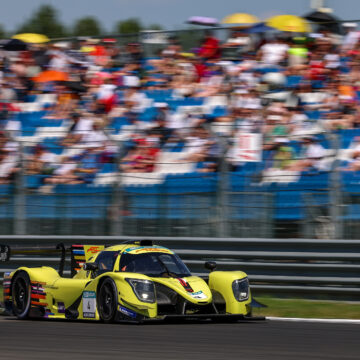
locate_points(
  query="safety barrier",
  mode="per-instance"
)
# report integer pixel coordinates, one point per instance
(315, 268)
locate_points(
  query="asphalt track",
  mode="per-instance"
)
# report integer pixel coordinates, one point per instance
(267, 340)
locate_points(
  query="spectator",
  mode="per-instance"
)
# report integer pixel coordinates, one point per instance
(312, 156)
(209, 48)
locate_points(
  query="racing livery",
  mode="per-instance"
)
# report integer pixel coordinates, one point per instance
(135, 281)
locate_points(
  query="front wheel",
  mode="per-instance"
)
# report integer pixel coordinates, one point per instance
(107, 301)
(21, 295)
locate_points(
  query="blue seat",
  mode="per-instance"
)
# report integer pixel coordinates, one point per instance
(293, 81)
(108, 168)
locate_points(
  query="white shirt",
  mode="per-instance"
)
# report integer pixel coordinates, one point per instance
(48, 157)
(273, 53)
(65, 168)
(194, 145)
(106, 91)
(350, 39)
(315, 151)
(140, 101)
(8, 163)
(11, 146)
(14, 127)
(83, 126)
(58, 63)
(131, 81)
(94, 138)
(332, 61)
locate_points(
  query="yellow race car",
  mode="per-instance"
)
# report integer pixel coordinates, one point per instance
(135, 281)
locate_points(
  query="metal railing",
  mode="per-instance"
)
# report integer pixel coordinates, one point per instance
(308, 267)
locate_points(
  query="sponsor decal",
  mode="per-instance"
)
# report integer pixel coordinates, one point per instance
(198, 295)
(145, 249)
(48, 313)
(38, 293)
(185, 285)
(6, 286)
(93, 249)
(89, 304)
(127, 312)
(61, 308)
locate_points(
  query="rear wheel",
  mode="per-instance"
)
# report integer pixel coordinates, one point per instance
(21, 295)
(107, 300)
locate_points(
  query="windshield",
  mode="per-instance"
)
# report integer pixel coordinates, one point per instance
(154, 264)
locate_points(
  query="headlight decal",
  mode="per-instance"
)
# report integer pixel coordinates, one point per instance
(240, 289)
(143, 289)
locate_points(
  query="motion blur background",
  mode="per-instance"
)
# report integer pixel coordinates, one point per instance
(244, 127)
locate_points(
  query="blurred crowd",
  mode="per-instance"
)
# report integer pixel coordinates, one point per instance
(118, 106)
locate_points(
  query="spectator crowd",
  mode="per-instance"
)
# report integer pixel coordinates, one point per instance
(71, 110)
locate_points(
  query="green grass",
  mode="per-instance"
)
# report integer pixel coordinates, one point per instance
(1, 294)
(308, 308)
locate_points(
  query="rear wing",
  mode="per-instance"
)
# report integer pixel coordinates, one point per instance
(80, 254)
(7, 252)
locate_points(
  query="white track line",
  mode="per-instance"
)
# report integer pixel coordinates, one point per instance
(329, 321)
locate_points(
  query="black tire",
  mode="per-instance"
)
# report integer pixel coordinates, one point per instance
(107, 301)
(21, 295)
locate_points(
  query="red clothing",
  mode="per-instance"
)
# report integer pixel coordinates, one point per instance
(200, 70)
(210, 48)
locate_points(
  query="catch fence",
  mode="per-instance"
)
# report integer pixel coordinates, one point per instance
(292, 267)
(218, 204)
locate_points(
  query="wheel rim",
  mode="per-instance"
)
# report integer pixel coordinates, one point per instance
(107, 301)
(21, 295)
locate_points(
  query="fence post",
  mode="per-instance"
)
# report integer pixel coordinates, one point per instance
(117, 205)
(222, 198)
(19, 220)
(335, 191)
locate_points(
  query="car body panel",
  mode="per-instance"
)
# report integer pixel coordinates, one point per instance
(221, 282)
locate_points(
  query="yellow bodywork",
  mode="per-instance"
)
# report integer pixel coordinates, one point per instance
(55, 294)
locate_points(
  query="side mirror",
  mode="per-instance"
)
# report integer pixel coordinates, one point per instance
(210, 265)
(90, 266)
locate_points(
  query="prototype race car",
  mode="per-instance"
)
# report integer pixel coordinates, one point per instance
(135, 281)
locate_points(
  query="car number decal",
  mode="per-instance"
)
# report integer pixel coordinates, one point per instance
(89, 304)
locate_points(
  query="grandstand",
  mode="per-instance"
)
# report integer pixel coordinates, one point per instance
(153, 147)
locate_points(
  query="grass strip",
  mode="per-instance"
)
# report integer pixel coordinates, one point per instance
(321, 309)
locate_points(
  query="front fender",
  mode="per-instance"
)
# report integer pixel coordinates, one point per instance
(221, 282)
(126, 296)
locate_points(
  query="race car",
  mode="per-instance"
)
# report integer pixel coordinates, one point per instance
(133, 281)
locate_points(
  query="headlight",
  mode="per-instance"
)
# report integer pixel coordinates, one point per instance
(143, 289)
(241, 289)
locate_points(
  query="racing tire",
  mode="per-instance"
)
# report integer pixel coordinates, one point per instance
(21, 295)
(107, 301)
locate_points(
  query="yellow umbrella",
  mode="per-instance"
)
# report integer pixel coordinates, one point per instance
(290, 23)
(32, 38)
(240, 19)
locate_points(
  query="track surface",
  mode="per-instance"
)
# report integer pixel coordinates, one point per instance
(268, 340)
